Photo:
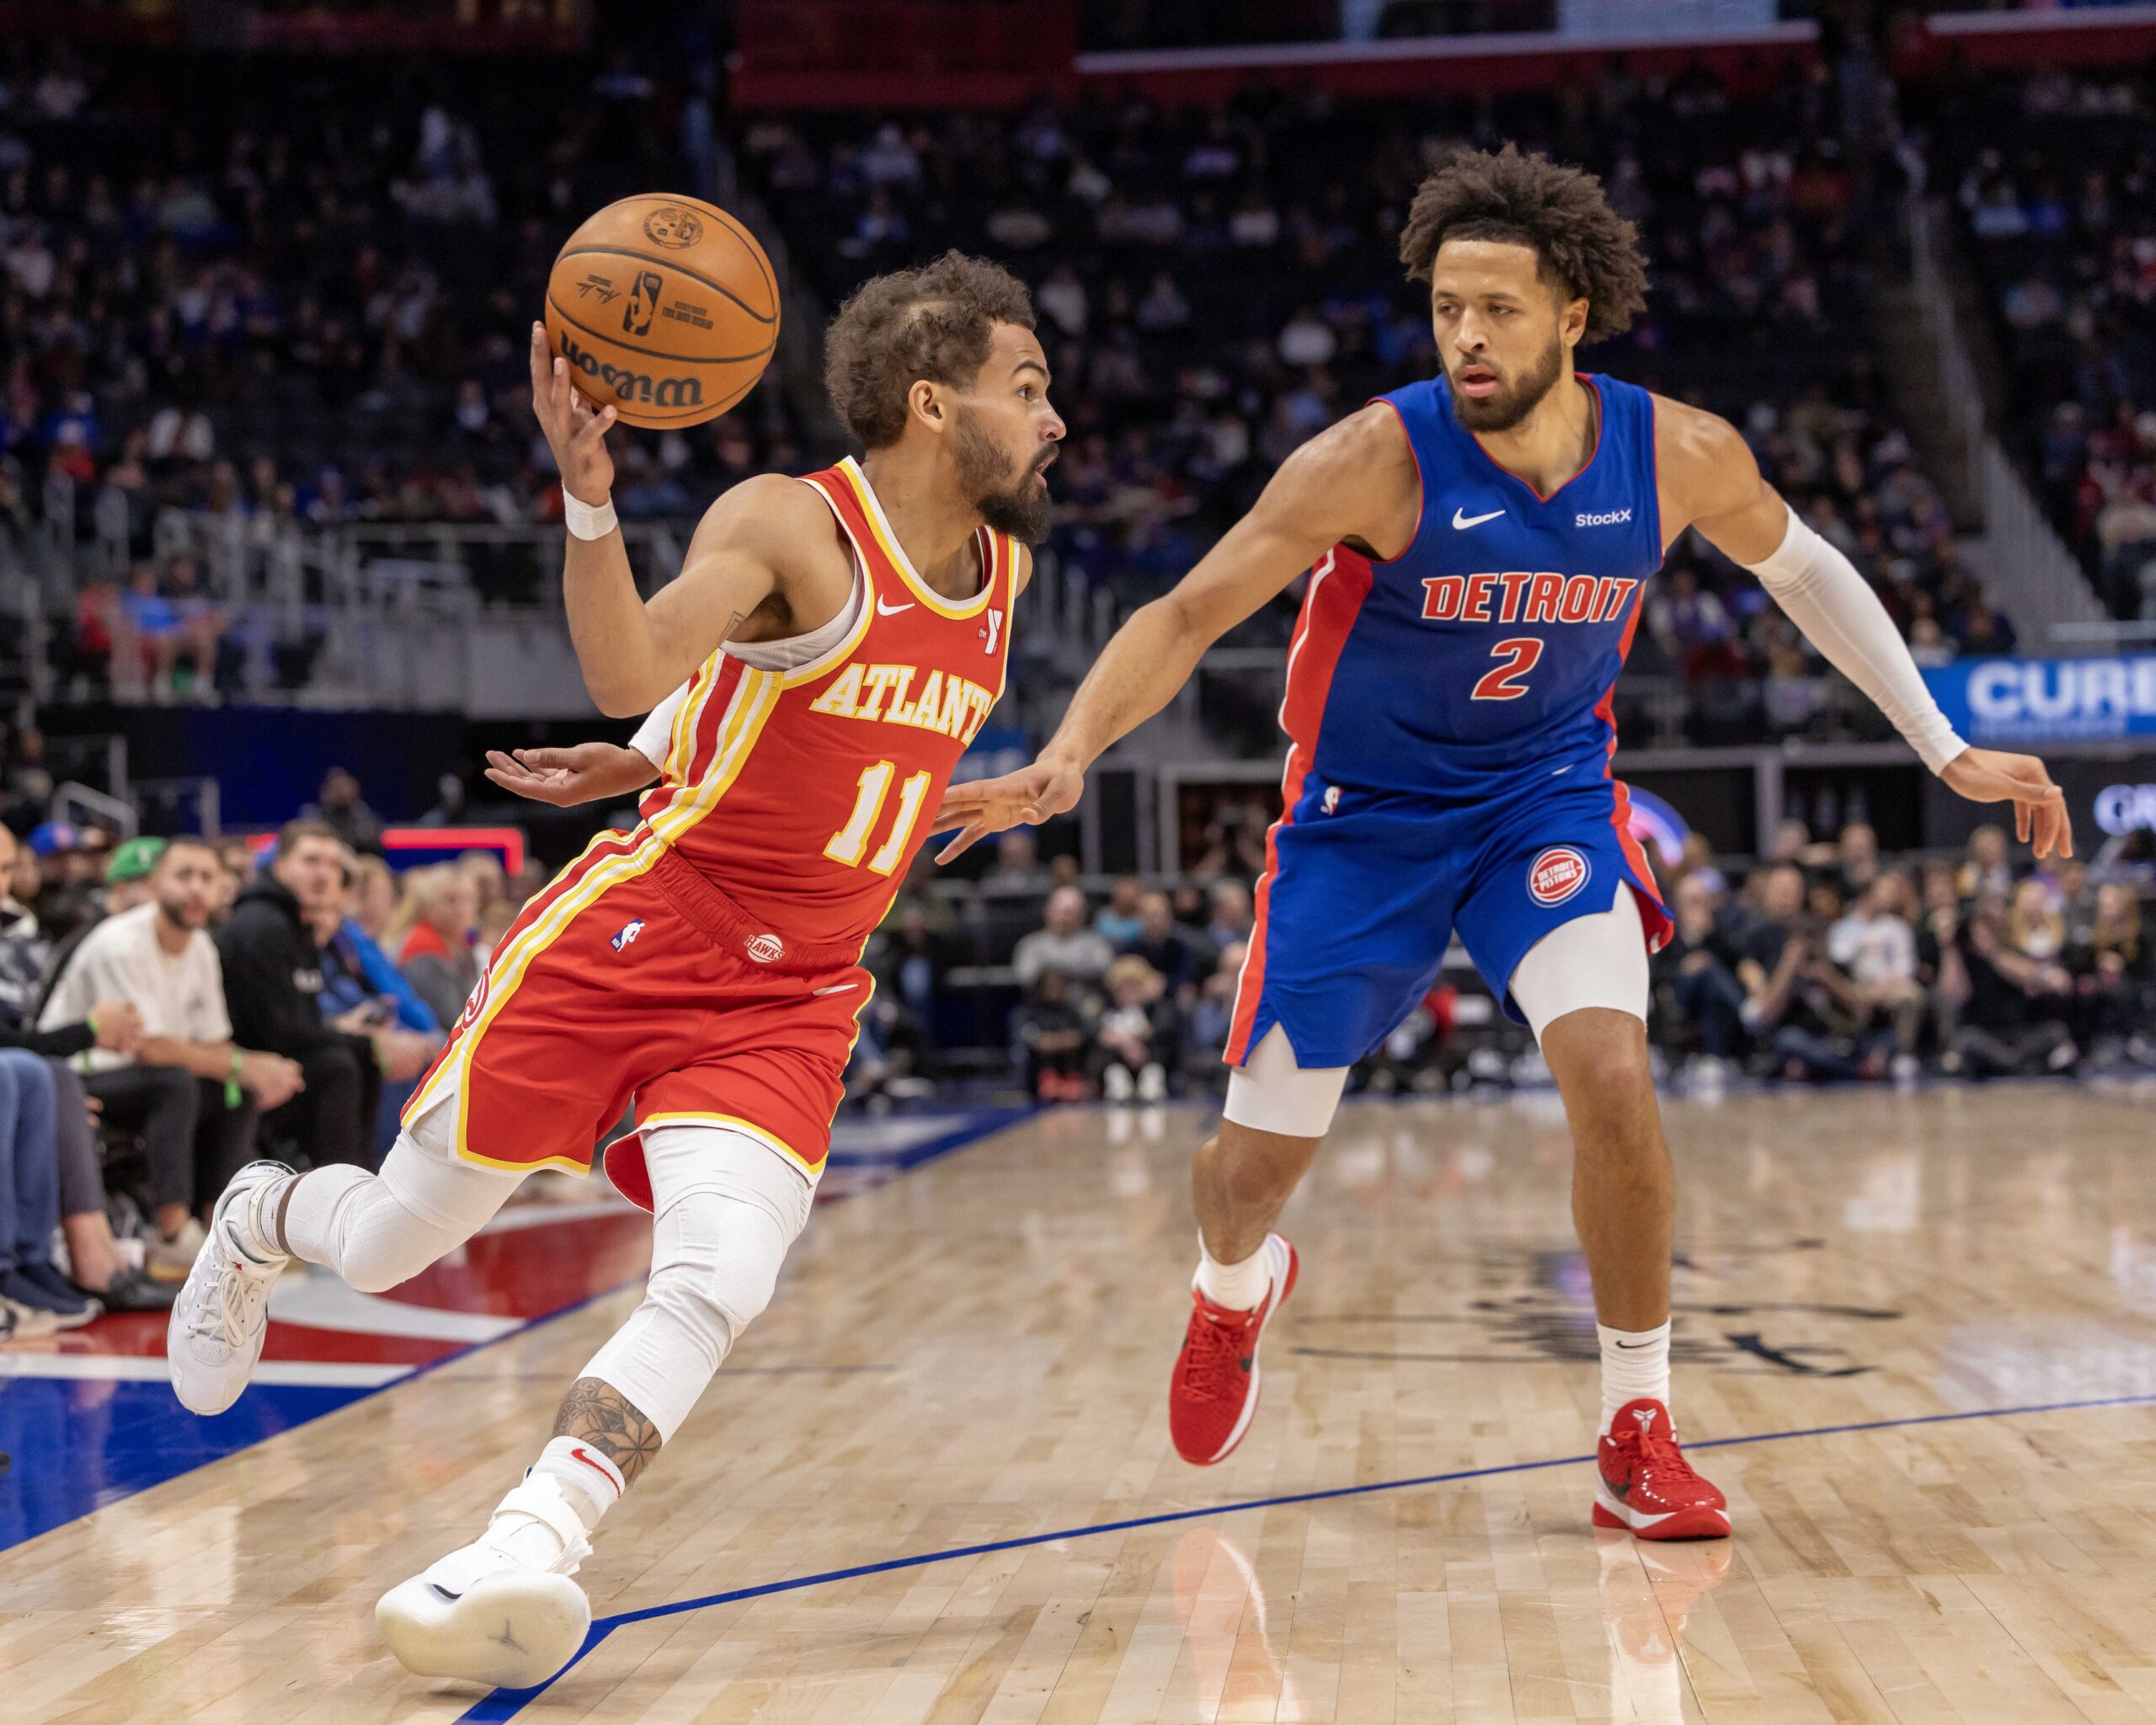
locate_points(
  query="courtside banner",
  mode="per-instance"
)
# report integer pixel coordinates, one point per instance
(2048, 700)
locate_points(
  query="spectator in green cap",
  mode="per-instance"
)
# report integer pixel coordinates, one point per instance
(127, 876)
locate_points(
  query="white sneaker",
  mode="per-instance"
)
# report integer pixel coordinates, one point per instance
(488, 1616)
(215, 1335)
(1152, 1082)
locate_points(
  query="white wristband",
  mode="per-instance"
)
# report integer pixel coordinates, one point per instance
(584, 521)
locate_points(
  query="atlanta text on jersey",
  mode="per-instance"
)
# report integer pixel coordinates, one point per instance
(947, 703)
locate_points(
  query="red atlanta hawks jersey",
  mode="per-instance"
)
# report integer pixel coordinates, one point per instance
(803, 795)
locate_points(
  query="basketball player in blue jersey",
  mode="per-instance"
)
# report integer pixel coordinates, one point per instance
(1479, 548)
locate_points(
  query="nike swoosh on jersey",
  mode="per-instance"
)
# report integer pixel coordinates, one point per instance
(1460, 518)
(884, 610)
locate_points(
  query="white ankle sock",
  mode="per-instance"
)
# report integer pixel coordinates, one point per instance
(590, 1476)
(589, 1482)
(1634, 1363)
(1237, 1286)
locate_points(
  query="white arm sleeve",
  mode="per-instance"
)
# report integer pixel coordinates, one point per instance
(654, 737)
(1823, 593)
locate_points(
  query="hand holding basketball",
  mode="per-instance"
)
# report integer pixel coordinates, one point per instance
(664, 308)
(575, 431)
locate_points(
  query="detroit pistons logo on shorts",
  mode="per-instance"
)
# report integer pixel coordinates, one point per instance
(1555, 875)
(765, 948)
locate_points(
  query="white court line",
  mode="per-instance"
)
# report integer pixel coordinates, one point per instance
(128, 1368)
(320, 1300)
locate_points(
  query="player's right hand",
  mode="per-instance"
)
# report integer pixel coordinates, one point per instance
(567, 776)
(1027, 797)
(576, 431)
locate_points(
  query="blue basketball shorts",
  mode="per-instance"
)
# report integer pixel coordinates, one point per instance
(1363, 891)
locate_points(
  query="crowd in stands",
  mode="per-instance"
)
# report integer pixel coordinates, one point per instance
(1213, 289)
(315, 310)
(1827, 962)
(2054, 176)
(172, 1008)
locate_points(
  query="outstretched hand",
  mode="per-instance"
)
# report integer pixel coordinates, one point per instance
(576, 431)
(2039, 816)
(567, 776)
(1025, 797)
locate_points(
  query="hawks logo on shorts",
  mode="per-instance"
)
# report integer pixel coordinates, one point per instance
(1555, 875)
(475, 1003)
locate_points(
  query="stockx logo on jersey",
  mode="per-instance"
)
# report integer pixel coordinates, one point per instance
(1526, 596)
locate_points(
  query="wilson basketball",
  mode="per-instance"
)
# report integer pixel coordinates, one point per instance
(666, 306)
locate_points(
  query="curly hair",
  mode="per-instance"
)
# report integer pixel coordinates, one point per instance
(1586, 249)
(935, 322)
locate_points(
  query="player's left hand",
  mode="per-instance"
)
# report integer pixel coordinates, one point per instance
(990, 805)
(570, 776)
(2039, 816)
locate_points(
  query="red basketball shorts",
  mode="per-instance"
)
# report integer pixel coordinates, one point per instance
(631, 976)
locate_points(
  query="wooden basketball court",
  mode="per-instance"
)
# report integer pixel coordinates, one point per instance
(1915, 1347)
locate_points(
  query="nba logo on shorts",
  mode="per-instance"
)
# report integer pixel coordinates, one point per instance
(630, 930)
(765, 948)
(1555, 875)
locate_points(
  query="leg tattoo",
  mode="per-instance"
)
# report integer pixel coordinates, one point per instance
(595, 1412)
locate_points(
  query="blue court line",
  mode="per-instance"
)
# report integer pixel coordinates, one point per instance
(80, 1445)
(503, 1704)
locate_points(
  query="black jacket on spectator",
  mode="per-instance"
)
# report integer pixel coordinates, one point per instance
(273, 975)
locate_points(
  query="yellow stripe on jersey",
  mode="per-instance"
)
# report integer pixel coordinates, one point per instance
(682, 752)
(508, 968)
(754, 699)
(888, 541)
(825, 663)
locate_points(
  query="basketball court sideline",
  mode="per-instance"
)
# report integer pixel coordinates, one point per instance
(935, 1481)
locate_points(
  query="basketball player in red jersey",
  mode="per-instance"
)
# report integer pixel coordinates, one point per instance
(842, 640)
(1448, 704)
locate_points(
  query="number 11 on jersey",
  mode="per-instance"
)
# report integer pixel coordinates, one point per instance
(850, 843)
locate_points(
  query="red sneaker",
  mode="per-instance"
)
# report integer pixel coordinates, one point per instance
(1643, 1481)
(1214, 1390)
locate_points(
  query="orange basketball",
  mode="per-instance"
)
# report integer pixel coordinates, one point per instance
(667, 307)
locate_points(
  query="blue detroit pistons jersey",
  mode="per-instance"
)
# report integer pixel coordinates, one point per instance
(1451, 720)
(1492, 644)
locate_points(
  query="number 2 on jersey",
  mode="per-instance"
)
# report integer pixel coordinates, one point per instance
(850, 843)
(1503, 684)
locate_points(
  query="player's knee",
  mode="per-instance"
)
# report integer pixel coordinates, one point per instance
(382, 1242)
(716, 1270)
(1598, 1053)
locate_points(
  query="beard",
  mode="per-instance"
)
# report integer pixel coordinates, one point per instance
(1011, 500)
(1513, 401)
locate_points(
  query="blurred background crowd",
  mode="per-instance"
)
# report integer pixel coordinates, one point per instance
(266, 451)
